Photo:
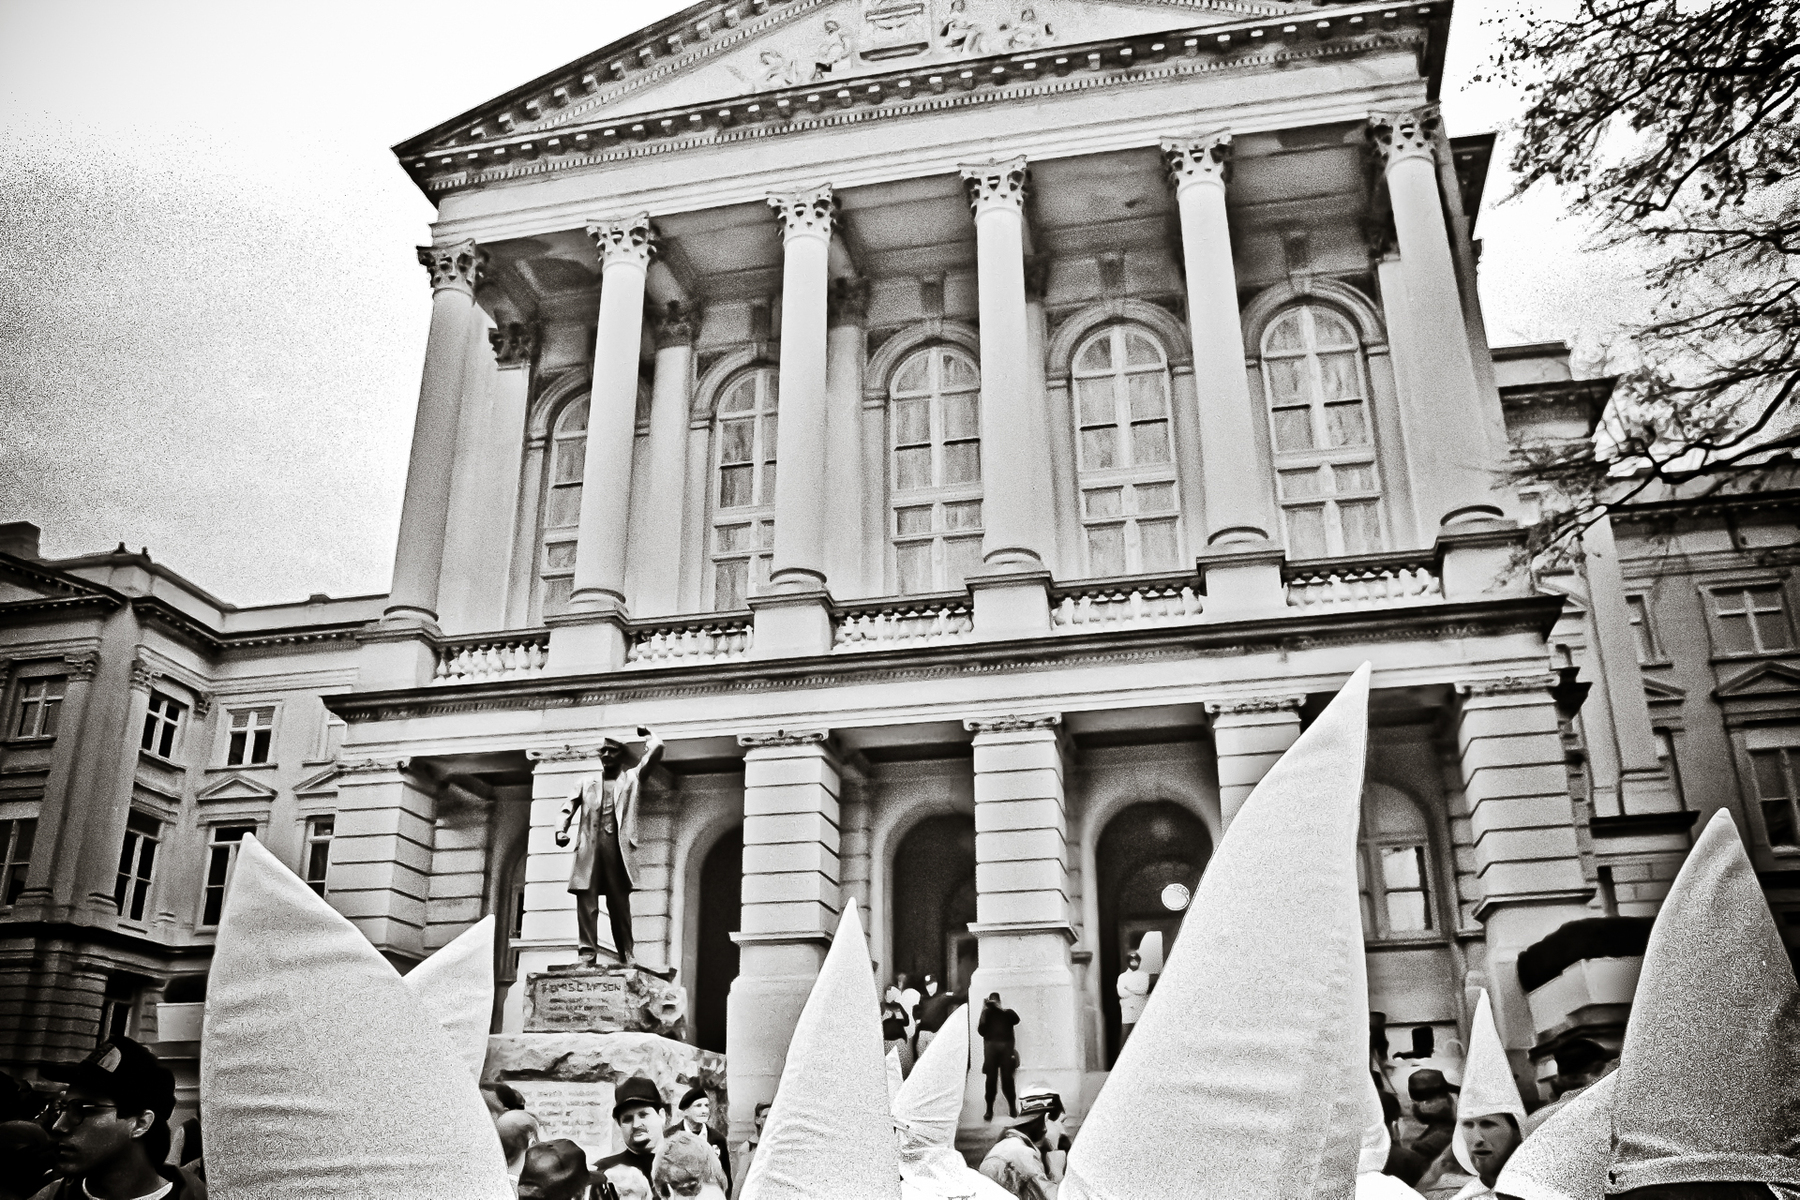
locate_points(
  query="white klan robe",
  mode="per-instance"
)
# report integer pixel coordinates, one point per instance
(925, 1116)
(323, 1074)
(1246, 1077)
(1566, 1159)
(1488, 1089)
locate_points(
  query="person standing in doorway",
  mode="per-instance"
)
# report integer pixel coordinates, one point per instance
(1134, 991)
(999, 1057)
(934, 1010)
(607, 806)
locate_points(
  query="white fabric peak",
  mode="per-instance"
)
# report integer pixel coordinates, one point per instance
(1709, 1080)
(1566, 1158)
(829, 1135)
(925, 1117)
(1488, 1086)
(456, 985)
(322, 1075)
(1371, 1184)
(1242, 1080)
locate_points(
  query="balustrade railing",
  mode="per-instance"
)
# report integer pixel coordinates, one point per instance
(491, 656)
(684, 641)
(1146, 601)
(891, 624)
(1368, 581)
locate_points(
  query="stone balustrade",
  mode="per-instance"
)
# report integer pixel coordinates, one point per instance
(894, 624)
(1139, 602)
(686, 641)
(489, 656)
(1368, 581)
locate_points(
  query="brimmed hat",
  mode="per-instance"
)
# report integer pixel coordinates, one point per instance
(639, 1089)
(125, 1072)
(558, 1168)
(1428, 1082)
(1033, 1103)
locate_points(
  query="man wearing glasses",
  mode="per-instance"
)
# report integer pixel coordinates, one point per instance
(111, 1127)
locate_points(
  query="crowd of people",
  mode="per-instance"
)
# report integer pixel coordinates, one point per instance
(1247, 1076)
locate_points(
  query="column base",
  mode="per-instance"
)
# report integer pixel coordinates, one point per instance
(1011, 604)
(1483, 560)
(791, 624)
(395, 654)
(776, 973)
(583, 643)
(1029, 965)
(1241, 582)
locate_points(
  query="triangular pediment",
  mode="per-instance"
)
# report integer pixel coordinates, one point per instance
(322, 784)
(1658, 692)
(1764, 679)
(721, 52)
(22, 581)
(237, 787)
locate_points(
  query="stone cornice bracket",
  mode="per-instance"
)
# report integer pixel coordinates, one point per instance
(1192, 160)
(1408, 134)
(1254, 705)
(81, 667)
(810, 213)
(142, 675)
(1000, 184)
(515, 344)
(459, 266)
(1509, 685)
(1013, 723)
(203, 702)
(564, 754)
(373, 766)
(848, 302)
(783, 737)
(631, 240)
(676, 325)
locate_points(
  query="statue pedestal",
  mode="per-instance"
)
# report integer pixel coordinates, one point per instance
(603, 999)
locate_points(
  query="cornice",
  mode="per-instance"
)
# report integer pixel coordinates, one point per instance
(1259, 43)
(1657, 510)
(211, 641)
(1285, 635)
(53, 580)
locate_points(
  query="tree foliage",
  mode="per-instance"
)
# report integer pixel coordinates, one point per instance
(1673, 127)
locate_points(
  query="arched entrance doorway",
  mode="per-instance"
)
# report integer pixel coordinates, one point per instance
(934, 901)
(1149, 861)
(715, 954)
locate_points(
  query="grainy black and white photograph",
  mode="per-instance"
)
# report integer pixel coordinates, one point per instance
(899, 600)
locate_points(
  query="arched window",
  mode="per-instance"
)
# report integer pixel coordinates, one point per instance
(1394, 866)
(935, 432)
(562, 506)
(1318, 390)
(743, 530)
(1126, 456)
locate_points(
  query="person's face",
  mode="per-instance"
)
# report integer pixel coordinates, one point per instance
(900, 981)
(609, 762)
(1434, 1108)
(642, 1127)
(1133, 962)
(1491, 1142)
(762, 1115)
(90, 1132)
(994, 999)
(699, 1112)
(1053, 1130)
(931, 987)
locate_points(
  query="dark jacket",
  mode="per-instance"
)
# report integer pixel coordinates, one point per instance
(996, 1026)
(935, 1010)
(187, 1186)
(624, 1158)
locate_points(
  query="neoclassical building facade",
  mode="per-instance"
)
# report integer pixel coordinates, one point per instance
(977, 438)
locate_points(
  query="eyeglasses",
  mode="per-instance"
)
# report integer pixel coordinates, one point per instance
(79, 1109)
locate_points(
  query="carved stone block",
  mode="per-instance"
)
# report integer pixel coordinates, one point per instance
(603, 1000)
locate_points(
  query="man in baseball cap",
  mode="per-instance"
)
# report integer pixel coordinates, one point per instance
(111, 1127)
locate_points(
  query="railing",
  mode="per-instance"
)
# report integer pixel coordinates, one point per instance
(1367, 581)
(489, 656)
(684, 641)
(1140, 602)
(891, 624)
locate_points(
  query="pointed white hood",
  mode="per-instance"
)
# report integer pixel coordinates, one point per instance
(1242, 1079)
(1566, 1158)
(1488, 1086)
(456, 985)
(1709, 1079)
(925, 1117)
(1371, 1184)
(322, 1076)
(829, 1135)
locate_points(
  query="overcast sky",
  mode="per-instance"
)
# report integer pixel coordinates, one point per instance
(211, 317)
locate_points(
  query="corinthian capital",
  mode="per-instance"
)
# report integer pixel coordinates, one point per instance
(1403, 135)
(806, 213)
(631, 241)
(1192, 160)
(848, 302)
(459, 266)
(675, 325)
(514, 344)
(997, 184)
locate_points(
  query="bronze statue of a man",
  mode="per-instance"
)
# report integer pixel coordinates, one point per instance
(605, 842)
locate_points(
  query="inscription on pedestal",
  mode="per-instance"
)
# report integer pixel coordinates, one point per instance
(603, 1000)
(581, 1112)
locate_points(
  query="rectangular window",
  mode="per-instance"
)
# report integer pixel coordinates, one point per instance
(16, 838)
(137, 865)
(251, 730)
(319, 832)
(1403, 878)
(221, 860)
(161, 724)
(118, 1008)
(1637, 611)
(1751, 619)
(40, 703)
(1772, 773)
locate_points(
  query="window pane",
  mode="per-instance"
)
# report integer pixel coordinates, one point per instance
(1287, 380)
(962, 463)
(1293, 429)
(914, 562)
(962, 417)
(737, 487)
(165, 745)
(259, 748)
(742, 397)
(1344, 424)
(565, 507)
(1106, 550)
(559, 556)
(959, 372)
(557, 593)
(768, 483)
(1297, 485)
(1729, 602)
(1285, 334)
(770, 425)
(1329, 329)
(1764, 597)
(1150, 443)
(1361, 526)
(573, 418)
(1338, 377)
(1306, 532)
(737, 441)
(912, 468)
(1096, 401)
(912, 422)
(1156, 539)
(234, 754)
(735, 537)
(914, 374)
(912, 521)
(1148, 397)
(1140, 351)
(240, 719)
(966, 515)
(1105, 502)
(765, 535)
(51, 709)
(1772, 630)
(571, 460)
(1350, 478)
(962, 558)
(1771, 780)
(1734, 634)
(1778, 821)
(1097, 448)
(1098, 354)
(1155, 497)
(1402, 866)
(729, 582)
(1406, 912)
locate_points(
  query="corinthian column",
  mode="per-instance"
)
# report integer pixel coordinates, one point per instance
(799, 557)
(419, 556)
